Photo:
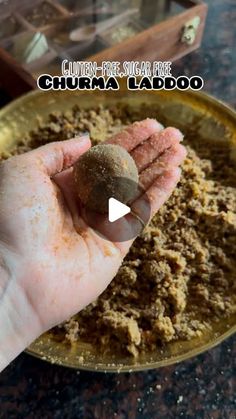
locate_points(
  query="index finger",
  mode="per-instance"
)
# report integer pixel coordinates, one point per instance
(135, 134)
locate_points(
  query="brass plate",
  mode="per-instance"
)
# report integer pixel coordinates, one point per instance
(214, 120)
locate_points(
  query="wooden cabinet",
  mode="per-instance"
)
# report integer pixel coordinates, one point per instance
(36, 36)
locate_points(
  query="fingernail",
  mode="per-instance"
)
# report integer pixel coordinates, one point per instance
(82, 135)
(82, 138)
(182, 135)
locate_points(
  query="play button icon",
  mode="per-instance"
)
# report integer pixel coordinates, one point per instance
(122, 220)
(116, 210)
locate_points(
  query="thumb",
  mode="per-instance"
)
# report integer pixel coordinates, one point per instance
(61, 155)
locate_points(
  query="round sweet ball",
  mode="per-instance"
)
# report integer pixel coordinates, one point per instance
(105, 171)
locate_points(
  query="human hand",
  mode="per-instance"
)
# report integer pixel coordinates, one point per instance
(53, 263)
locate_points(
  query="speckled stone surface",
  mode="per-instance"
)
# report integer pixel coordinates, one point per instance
(215, 61)
(202, 387)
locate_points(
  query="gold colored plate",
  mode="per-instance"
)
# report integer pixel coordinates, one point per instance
(215, 121)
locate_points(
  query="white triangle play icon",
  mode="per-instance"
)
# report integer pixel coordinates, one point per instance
(116, 210)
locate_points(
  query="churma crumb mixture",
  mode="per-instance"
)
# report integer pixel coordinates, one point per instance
(179, 275)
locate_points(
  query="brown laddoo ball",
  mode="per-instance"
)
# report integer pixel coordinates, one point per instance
(105, 171)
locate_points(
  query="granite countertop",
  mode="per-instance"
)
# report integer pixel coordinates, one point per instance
(202, 387)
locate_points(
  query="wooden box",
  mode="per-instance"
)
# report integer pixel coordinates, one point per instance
(162, 30)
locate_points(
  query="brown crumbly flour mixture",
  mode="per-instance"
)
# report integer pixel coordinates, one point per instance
(179, 275)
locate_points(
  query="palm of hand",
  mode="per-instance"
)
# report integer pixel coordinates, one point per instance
(63, 263)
